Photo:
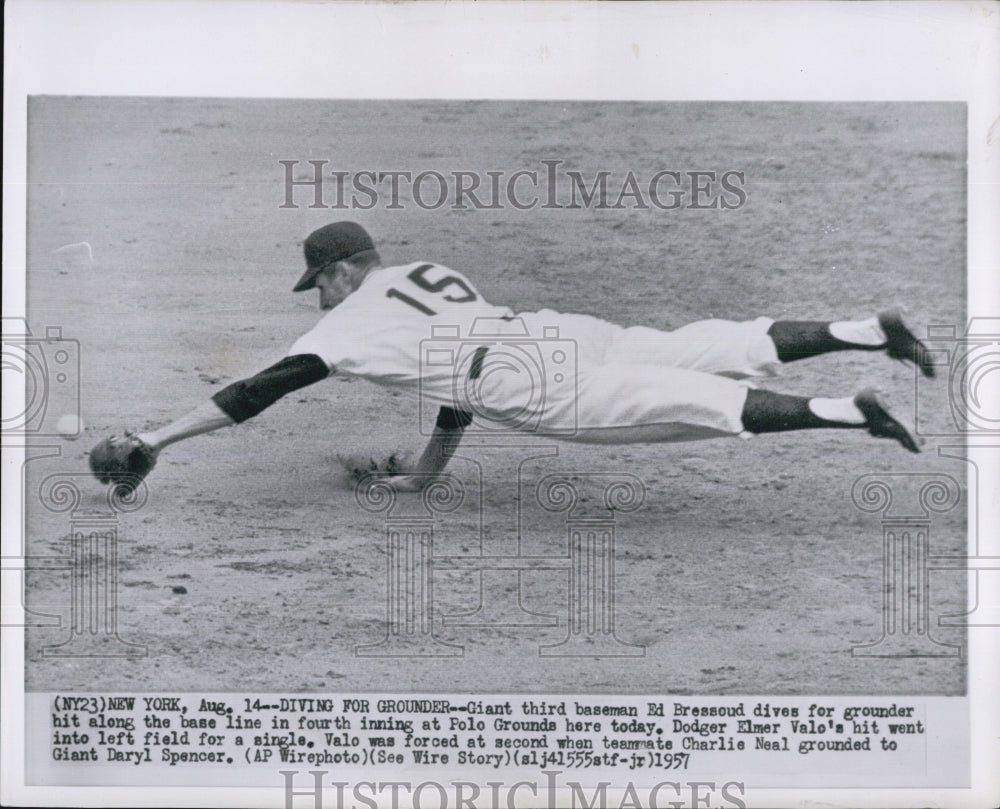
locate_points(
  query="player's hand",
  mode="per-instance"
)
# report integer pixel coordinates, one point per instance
(363, 467)
(150, 440)
(410, 483)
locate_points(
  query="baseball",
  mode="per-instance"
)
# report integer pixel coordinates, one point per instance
(70, 426)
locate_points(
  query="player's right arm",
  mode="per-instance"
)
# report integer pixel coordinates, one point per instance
(447, 435)
(241, 400)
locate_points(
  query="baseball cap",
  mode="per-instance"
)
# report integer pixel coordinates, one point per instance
(331, 243)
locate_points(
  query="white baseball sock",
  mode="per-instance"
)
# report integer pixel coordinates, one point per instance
(841, 410)
(862, 332)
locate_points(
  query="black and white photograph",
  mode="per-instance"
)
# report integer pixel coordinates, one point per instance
(567, 444)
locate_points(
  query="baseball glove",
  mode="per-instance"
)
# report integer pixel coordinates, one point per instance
(123, 460)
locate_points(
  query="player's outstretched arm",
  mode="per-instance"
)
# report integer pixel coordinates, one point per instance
(126, 461)
(447, 435)
(242, 400)
(203, 419)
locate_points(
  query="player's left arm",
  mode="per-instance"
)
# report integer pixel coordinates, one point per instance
(241, 400)
(447, 435)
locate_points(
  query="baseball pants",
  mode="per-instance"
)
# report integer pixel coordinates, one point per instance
(638, 384)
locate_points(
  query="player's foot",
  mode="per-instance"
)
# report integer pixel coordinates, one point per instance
(901, 344)
(879, 423)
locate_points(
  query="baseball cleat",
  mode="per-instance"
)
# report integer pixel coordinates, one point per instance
(879, 423)
(901, 344)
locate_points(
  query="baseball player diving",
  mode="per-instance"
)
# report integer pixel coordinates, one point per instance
(579, 378)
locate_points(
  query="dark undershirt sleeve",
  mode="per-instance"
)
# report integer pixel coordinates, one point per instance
(245, 399)
(450, 418)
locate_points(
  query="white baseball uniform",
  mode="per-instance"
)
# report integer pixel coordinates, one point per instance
(425, 329)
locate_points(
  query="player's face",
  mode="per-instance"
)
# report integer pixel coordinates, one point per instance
(333, 285)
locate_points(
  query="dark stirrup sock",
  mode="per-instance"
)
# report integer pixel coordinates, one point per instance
(798, 339)
(767, 412)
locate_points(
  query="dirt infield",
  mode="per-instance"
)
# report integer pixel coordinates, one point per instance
(747, 570)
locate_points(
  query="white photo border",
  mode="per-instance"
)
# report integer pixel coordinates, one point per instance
(791, 51)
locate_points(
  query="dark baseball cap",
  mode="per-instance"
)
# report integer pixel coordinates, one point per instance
(331, 243)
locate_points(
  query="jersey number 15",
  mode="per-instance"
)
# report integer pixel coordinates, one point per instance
(439, 287)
